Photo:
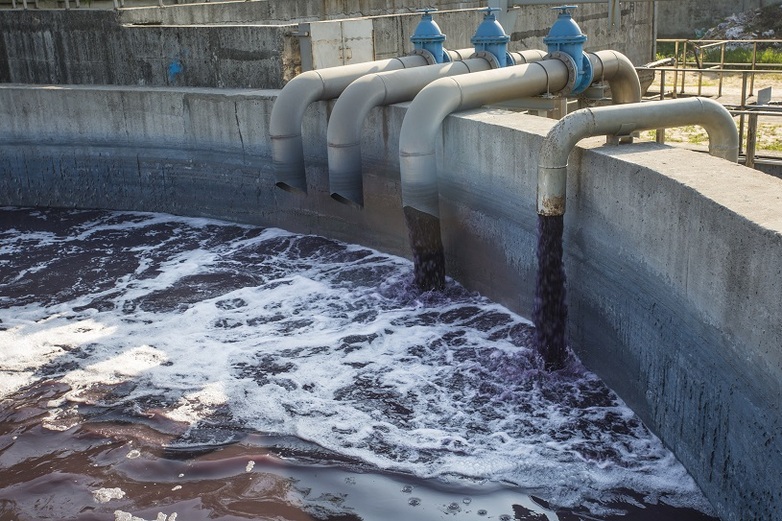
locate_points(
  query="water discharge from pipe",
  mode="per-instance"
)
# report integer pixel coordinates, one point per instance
(427, 246)
(550, 309)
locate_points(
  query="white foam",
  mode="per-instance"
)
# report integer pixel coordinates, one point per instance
(335, 350)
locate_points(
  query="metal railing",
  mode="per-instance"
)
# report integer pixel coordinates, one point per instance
(697, 47)
(747, 113)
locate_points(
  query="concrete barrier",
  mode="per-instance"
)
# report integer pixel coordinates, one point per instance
(673, 258)
(249, 44)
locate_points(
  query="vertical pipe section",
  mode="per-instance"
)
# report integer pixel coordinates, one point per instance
(621, 120)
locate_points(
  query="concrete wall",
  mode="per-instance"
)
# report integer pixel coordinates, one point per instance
(673, 257)
(92, 47)
(689, 18)
(101, 47)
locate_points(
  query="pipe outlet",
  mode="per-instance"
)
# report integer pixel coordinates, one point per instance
(620, 120)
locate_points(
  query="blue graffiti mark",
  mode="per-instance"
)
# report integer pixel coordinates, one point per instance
(174, 68)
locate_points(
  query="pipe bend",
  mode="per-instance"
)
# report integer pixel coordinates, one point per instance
(621, 75)
(285, 128)
(615, 119)
(294, 98)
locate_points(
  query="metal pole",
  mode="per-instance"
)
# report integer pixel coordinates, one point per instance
(754, 63)
(659, 134)
(676, 70)
(752, 130)
(722, 67)
(743, 108)
(684, 65)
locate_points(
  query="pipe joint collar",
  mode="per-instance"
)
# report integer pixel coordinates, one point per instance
(492, 58)
(428, 56)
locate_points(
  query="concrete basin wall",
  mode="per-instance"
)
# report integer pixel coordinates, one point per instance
(673, 258)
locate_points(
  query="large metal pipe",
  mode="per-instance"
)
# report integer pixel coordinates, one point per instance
(424, 117)
(383, 88)
(616, 69)
(308, 87)
(622, 120)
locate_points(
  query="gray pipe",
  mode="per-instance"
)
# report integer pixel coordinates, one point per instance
(351, 109)
(424, 117)
(622, 120)
(619, 72)
(417, 161)
(308, 87)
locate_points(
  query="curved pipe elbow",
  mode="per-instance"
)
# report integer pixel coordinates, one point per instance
(347, 118)
(343, 137)
(306, 88)
(622, 120)
(417, 159)
(285, 129)
(615, 68)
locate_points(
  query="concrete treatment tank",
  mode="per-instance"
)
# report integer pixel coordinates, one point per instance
(673, 278)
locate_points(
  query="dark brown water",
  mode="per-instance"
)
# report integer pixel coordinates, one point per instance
(550, 312)
(427, 245)
(154, 367)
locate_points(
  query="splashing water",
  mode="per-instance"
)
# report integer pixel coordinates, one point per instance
(550, 310)
(427, 246)
(138, 347)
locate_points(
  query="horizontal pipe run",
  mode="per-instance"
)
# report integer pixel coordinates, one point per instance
(622, 120)
(383, 88)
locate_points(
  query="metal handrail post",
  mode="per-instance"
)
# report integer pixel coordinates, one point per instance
(722, 68)
(754, 64)
(743, 107)
(684, 64)
(659, 134)
(752, 130)
(676, 71)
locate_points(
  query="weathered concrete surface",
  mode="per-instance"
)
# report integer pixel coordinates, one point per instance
(673, 257)
(175, 46)
(92, 47)
(282, 11)
(689, 18)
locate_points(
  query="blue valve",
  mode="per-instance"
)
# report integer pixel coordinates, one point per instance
(490, 38)
(429, 38)
(564, 40)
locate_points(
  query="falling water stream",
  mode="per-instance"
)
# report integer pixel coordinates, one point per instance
(158, 367)
(550, 310)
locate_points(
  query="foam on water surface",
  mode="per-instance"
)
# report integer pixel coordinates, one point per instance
(198, 333)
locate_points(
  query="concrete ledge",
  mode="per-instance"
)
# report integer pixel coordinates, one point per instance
(673, 258)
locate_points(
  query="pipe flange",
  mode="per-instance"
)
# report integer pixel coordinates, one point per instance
(489, 57)
(428, 56)
(572, 71)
